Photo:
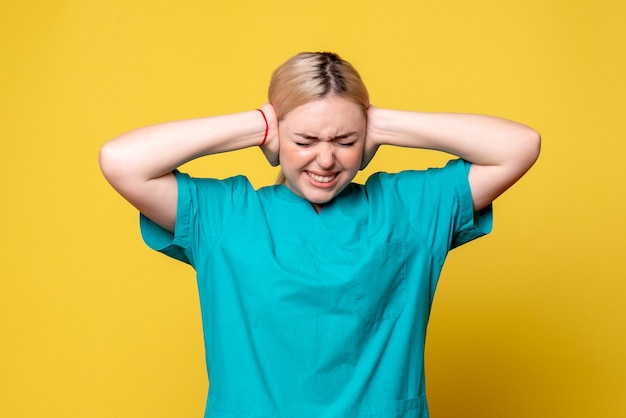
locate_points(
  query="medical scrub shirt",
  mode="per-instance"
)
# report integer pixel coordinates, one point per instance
(319, 315)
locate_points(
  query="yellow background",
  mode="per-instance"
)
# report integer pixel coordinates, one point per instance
(528, 322)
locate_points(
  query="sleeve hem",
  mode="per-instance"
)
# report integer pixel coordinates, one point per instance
(164, 241)
(473, 224)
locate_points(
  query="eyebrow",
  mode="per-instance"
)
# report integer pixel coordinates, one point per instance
(335, 138)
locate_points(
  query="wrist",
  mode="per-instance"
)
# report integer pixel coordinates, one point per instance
(266, 127)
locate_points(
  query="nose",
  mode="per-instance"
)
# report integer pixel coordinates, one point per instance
(326, 155)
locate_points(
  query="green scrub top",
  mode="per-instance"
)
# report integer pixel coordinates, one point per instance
(319, 315)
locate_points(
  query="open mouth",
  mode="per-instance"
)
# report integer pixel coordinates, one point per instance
(321, 179)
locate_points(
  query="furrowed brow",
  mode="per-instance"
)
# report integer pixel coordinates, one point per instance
(345, 136)
(335, 138)
(306, 136)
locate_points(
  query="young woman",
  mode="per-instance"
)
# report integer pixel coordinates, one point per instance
(315, 292)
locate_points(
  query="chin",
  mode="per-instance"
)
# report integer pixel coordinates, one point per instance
(319, 201)
(318, 198)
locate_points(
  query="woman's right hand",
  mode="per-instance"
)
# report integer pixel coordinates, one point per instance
(271, 146)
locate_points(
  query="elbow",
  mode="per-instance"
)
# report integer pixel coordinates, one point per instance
(533, 146)
(528, 149)
(105, 160)
(112, 162)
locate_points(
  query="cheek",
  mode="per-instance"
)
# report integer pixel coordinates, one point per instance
(352, 156)
(292, 157)
(290, 150)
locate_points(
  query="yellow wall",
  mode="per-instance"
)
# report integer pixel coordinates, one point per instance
(528, 322)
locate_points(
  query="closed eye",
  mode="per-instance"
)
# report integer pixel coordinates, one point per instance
(347, 144)
(303, 144)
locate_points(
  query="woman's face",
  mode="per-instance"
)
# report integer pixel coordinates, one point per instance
(321, 147)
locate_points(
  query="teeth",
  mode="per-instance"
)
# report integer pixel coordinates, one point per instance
(321, 179)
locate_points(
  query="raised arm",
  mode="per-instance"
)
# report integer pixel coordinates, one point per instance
(139, 164)
(500, 151)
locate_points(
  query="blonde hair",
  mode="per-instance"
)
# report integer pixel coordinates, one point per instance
(310, 76)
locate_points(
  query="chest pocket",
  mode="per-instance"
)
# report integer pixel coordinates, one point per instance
(380, 291)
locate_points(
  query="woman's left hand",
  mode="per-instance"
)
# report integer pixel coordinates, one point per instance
(371, 144)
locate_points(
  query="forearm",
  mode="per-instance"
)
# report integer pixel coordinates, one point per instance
(153, 151)
(479, 139)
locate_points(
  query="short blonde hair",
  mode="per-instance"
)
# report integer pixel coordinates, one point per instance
(310, 76)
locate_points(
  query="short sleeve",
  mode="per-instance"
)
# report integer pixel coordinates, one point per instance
(203, 208)
(437, 203)
(470, 224)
